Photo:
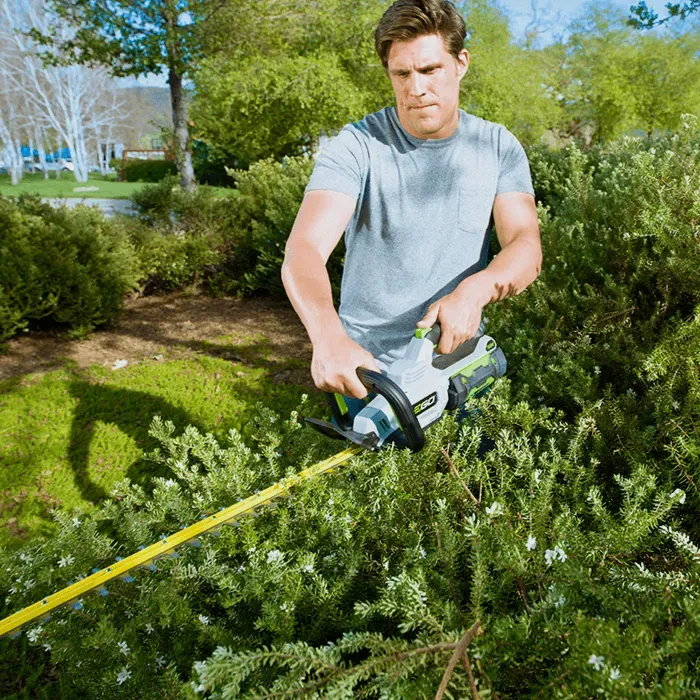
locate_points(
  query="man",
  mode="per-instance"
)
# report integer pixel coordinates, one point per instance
(415, 189)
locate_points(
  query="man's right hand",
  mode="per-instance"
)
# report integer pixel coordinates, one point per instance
(335, 362)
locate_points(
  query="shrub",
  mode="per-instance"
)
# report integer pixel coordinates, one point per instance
(264, 212)
(572, 546)
(68, 267)
(136, 170)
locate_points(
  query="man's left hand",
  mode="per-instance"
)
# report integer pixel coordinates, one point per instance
(458, 313)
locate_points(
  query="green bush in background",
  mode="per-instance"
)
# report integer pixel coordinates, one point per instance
(136, 170)
(70, 268)
(263, 215)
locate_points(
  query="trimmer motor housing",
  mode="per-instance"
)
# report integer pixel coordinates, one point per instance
(415, 390)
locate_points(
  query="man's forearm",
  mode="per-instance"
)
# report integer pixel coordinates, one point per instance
(509, 273)
(305, 279)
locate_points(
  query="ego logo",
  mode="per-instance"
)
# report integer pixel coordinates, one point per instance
(425, 404)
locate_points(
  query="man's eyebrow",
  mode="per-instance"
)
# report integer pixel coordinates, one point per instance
(420, 69)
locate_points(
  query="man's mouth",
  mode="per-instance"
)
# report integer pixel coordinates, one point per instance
(419, 107)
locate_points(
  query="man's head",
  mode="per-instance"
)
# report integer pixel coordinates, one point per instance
(421, 45)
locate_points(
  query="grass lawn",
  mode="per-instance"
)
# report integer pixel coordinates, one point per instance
(68, 435)
(34, 183)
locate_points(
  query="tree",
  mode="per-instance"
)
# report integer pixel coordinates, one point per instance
(307, 68)
(134, 38)
(504, 82)
(645, 17)
(69, 99)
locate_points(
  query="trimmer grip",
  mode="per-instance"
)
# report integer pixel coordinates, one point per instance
(390, 390)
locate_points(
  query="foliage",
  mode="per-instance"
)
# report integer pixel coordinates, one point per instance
(504, 83)
(270, 196)
(574, 543)
(645, 18)
(280, 84)
(135, 170)
(69, 267)
(69, 435)
(612, 80)
(180, 236)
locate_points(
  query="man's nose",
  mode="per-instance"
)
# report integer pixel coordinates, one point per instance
(416, 85)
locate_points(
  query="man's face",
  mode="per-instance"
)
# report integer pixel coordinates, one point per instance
(425, 78)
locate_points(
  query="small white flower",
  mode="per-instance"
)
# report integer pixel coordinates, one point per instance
(30, 584)
(25, 558)
(560, 601)
(34, 633)
(675, 405)
(47, 647)
(328, 518)
(66, 561)
(626, 235)
(614, 674)
(307, 568)
(123, 648)
(422, 553)
(495, 509)
(596, 370)
(160, 661)
(124, 675)
(631, 392)
(596, 661)
(679, 494)
(287, 607)
(552, 555)
(273, 419)
(76, 522)
(204, 619)
(531, 543)
(149, 628)
(274, 556)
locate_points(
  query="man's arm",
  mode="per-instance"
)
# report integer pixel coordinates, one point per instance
(319, 224)
(516, 266)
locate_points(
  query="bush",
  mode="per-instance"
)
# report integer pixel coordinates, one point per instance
(171, 260)
(572, 547)
(136, 170)
(263, 215)
(70, 267)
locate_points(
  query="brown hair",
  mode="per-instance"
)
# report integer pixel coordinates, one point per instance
(408, 19)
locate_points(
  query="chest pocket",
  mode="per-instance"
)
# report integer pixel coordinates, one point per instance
(475, 206)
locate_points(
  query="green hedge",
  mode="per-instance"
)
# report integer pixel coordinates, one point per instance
(66, 267)
(136, 170)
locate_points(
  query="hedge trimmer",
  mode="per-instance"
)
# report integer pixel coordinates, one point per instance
(412, 395)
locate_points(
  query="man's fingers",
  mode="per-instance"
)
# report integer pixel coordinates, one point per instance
(428, 321)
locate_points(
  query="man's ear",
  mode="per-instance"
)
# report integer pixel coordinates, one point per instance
(463, 62)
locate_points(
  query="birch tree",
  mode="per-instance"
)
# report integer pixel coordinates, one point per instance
(10, 128)
(131, 37)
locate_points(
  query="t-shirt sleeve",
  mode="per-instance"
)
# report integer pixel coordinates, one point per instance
(514, 170)
(340, 165)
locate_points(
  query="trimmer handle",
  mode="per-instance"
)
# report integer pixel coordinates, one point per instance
(403, 410)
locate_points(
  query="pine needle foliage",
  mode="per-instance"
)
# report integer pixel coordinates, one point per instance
(563, 563)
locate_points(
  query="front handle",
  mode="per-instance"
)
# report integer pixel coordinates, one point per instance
(403, 410)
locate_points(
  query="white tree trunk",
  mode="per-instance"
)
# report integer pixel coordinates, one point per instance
(67, 98)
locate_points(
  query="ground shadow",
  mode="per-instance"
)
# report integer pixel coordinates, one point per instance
(130, 411)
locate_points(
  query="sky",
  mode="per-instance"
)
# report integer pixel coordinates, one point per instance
(519, 11)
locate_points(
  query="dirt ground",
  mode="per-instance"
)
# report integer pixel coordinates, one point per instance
(175, 326)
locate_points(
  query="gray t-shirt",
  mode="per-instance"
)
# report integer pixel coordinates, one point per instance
(423, 219)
